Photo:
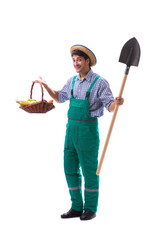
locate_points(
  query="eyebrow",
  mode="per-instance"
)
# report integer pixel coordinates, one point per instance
(77, 57)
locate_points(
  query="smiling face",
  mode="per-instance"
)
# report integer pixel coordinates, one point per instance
(81, 65)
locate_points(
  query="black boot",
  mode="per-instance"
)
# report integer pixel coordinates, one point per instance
(87, 215)
(71, 214)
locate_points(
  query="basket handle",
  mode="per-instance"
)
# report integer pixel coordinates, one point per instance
(32, 90)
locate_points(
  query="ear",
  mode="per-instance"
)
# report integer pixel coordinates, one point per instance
(88, 61)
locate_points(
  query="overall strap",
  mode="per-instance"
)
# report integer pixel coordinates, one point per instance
(73, 85)
(90, 88)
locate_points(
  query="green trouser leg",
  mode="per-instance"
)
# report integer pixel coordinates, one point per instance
(73, 177)
(89, 163)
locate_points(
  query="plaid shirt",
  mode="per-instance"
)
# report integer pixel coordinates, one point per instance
(100, 96)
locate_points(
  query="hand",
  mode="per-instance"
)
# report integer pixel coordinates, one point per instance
(41, 81)
(119, 101)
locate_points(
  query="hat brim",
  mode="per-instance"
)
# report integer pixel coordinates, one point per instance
(86, 51)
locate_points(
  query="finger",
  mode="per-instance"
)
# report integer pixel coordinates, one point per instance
(117, 99)
(122, 101)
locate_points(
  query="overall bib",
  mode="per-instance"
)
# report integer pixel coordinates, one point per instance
(81, 151)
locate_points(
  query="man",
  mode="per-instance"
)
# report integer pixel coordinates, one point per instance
(88, 94)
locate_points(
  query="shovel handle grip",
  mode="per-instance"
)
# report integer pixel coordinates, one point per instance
(112, 124)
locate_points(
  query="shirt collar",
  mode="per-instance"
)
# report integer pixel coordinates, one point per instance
(87, 77)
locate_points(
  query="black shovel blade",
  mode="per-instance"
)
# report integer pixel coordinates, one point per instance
(130, 53)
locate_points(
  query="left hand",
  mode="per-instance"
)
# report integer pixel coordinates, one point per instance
(119, 101)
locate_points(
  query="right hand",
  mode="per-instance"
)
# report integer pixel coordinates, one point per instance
(41, 81)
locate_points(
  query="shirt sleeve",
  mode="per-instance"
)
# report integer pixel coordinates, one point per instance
(105, 94)
(65, 93)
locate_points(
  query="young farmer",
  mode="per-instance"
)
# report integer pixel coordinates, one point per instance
(89, 94)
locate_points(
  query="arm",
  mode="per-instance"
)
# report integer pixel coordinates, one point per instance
(106, 96)
(52, 93)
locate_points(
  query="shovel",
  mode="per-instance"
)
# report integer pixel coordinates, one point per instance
(130, 55)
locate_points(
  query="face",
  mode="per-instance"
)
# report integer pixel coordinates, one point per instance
(80, 64)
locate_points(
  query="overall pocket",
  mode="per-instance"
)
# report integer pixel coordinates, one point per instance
(87, 138)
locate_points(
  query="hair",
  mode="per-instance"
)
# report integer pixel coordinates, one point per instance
(81, 54)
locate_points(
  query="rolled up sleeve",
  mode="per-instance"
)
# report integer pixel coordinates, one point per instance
(105, 94)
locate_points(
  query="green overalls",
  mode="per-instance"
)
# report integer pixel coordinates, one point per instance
(81, 150)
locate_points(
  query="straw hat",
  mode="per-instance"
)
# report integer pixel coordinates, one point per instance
(86, 51)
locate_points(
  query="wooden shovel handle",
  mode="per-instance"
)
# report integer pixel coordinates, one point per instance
(111, 125)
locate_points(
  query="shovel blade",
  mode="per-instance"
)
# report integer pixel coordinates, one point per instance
(130, 53)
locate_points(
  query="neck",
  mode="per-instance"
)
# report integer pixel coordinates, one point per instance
(82, 75)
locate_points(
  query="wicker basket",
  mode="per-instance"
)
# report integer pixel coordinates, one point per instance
(38, 107)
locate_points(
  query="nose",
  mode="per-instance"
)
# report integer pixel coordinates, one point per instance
(75, 62)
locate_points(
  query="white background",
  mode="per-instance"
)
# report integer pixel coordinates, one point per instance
(36, 37)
